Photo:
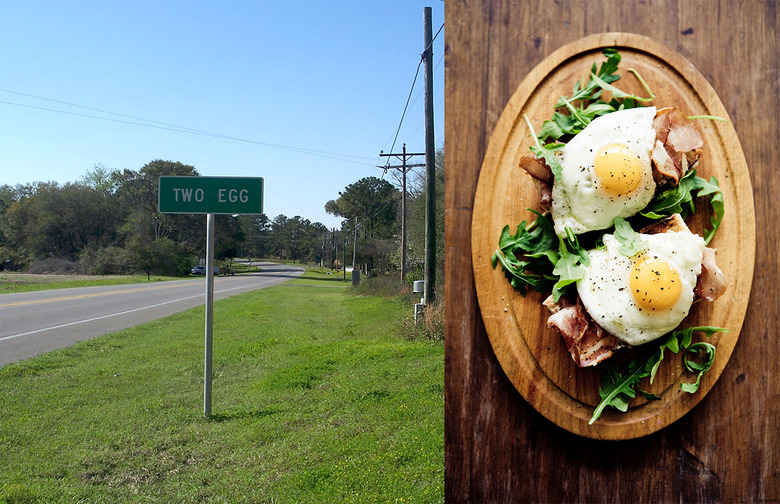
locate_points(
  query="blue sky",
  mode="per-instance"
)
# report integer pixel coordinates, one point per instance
(312, 91)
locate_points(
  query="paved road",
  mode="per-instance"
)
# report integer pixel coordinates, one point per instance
(36, 322)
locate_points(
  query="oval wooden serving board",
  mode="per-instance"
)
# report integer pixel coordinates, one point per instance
(533, 356)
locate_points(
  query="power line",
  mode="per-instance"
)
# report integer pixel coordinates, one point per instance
(148, 123)
(423, 122)
(414, 81)
(403, 114)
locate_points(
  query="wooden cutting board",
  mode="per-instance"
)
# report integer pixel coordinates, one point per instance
(533, 356)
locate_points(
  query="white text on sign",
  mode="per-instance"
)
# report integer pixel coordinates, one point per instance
(223, 195)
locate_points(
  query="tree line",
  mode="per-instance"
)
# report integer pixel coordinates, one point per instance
(107, 223)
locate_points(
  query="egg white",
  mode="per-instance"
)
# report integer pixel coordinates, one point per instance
(606, 295)
(578, 200)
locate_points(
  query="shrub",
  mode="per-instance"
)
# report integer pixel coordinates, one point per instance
(107, 261)
(383, 285)
(429, 326)
(54, 266)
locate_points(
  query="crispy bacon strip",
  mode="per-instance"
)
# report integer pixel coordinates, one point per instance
(586, 341)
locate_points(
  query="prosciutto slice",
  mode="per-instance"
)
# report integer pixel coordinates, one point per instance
(678, 144)
(711, 283)
(539, 170)
(585, 340)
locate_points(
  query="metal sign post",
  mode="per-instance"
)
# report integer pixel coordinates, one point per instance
(210, 196)
(210, 219)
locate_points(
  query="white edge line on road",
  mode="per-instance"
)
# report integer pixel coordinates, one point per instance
(109, 315)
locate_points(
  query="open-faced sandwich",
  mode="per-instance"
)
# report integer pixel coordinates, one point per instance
(604, 169)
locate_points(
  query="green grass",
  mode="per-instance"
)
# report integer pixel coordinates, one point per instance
(21, 282)
(316, 398)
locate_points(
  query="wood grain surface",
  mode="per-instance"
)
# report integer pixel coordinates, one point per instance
(498, 448)
(533, 356)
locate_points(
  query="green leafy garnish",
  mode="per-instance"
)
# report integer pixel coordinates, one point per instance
(585, 103)
(591, 91)
(528, 255)
(693, 366)
(712, 189)
(680, 200)
(711, 118)
(568, 268)
(631, 242)
(642, 81)
(617, 93)
(617, 389)
(546, 152)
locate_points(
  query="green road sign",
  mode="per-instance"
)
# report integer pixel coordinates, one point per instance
(211, 195)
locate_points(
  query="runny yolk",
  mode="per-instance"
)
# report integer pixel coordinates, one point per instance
(618, 169)
(655, 284)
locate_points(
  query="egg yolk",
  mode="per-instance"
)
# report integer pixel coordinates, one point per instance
(618, 169)
(655, 284)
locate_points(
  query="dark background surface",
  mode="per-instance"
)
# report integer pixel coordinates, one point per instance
(498, 448)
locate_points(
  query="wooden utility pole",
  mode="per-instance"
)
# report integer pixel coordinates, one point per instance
(430, 165)
(404, 169)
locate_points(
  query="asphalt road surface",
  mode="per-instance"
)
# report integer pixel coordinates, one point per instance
(32, 323)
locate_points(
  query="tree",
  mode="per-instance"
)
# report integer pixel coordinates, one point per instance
(370, 207)
(229, 236)
(59, 222)
(100, 178)
(149, 234)
(372, 203)
(256, 229)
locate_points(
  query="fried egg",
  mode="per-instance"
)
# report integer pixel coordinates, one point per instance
(606, 172)
(641, 298)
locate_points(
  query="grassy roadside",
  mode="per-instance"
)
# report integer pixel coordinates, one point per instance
(23, 282)
(317, 398)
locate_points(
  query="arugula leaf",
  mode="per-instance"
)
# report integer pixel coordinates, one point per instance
(617, 390)
(675, 200)
(680, 200)
(711, 188)
(551, 129)
(670, 343)
(693, 366)
(631, 242)
(569, 267)
(546, 152)
(712, 118)
(528, 256)
(617, 93)
(681, 339)
(574, 244)
(642, 81)
(591, 91)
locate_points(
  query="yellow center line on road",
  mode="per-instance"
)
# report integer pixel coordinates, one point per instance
(83, 296)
